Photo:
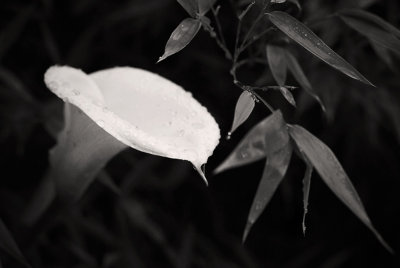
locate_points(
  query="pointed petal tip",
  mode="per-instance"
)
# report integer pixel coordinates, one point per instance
(201, 171)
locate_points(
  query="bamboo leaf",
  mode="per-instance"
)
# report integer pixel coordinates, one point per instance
(8, 244)
(306, 188)
(191, 7)
(373, 33)
(301, 34)
(333, 174)
(181, 37)
(372, 18)
(277, 63)
(278, 159)
(243, 109)
(252, 147)
(301, 78)
(288, 95)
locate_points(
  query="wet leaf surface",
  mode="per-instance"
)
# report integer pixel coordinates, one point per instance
(243, 109)
(181, 37)
(301, 34)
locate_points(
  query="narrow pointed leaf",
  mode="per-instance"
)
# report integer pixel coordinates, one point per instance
(301, 34)
(301, 78)
(306, 190)
(243, 109)
(373, 33)
(252, 147)
(278, 1)
(8, 244)
(181, 37)
(277, 63)
(205, 6)
(288, 95)
(333, 174)
(372, 18)
(191, 6)
(274, 171)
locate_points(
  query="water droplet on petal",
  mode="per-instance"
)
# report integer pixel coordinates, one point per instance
(228, 136)
(76, 92)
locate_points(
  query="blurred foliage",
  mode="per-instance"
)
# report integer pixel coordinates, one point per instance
(145, 211)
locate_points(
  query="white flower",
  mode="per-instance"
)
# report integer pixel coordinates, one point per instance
(140, 109)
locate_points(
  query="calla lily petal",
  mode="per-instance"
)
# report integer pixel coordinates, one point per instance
(141, 109)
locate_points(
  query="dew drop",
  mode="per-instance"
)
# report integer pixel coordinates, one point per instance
(228, 136)
(76, 92)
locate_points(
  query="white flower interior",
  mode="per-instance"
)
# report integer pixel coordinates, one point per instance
(141, 109)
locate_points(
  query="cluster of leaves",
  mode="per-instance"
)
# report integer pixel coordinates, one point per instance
(273, 138)
(266, 34)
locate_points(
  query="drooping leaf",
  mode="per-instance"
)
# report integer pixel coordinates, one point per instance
(191, 6)
(333, 174)
(277, 63)
(288, 95)
(278, 159)
(301, 78)
(181, 37)
(243, 109)
(306, 188)
(252, 147)
(373, 32)
(372, 18)
(8, 244)
(301, 34)
(205, 6)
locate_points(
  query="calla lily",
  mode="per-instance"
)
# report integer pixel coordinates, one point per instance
(122, 107)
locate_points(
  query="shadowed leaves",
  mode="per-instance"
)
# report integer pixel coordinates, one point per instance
(8, 244)
(252, 147)
(333, 174)
(278, 151)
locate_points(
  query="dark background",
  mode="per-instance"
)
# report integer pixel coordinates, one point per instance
(166, 216)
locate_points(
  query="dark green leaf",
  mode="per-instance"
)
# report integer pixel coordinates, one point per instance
(243, 109)
(181, 37)
(373, 33)
(252, 147)
(333, 174)
(301, 34)
(278, 159)
(8, 244)
(306, 189)
(301, 78)
(277, 63)
(372, 18)
(191, 7)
